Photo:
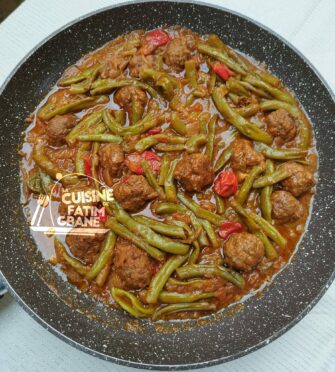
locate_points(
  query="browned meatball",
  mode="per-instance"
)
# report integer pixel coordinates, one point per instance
(243, 251)
(282, 124)
(300, 181)
(132, 267)
(111, 158)
(140, 61)
(194, 172)
(177, 52)
(125, 97)
(58, 127)
(133, 192)
(244, 156)
(285, 207)
(84, 247)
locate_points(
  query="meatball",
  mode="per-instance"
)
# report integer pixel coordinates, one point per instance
(244, 156)
(282, 124)
(139, 61)
(58, 127)
(111, 158)
(243, 251)
(301, 179)
(125, 97)
(194, 172)
(133, 192)
(285, 207)
(132, 267)
(84, 247)
(177, 52)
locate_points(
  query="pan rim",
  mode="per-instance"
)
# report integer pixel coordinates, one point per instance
(203, 364)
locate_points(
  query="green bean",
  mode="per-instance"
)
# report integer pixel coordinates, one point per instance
(245, 127)
(191, 271)
(168, 208)
(87, 122)
(105, 253)
(169, 186)
(278, 175)
(77, 78)
(220, 205)
(120, 116)
(191, 72)
(215, 41)
(161, 227)
(34, 183)
(245, 189)
(275, 92)
(151, 120)
(130, 303)
(137, 111)
(178, 124)
(280, 154)
(95, 163)
(265, 198)
(223, 158)
(166, 147)
(48, 111)
(195, 253)
(221, 56)
(211, 233)
(151, 178)
(256, 91)
(194, 142)
(81, 154)
(108, 85)
(164, 170)
(211, 137)
(160, 278)
(268, 78)
(264, 225)
(111, 123)
(270, 250)
(103, 137)
(175, 308)
(127, 234)
(50, 168)
(248, 110)
(73, 262)
(85, 79)
(197, 283)
(150, 141)
(198, 211)
(304, 130)
(212, 82)
(236, 87)
(149, 236)
(166, 297)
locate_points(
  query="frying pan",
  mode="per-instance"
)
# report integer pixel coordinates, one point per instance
(109, 333)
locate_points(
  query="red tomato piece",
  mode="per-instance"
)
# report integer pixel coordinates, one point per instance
(157, 38)
(228, 228)
(153, 131)
(88, 166)
(222, 70)
(226, 184)
(133, 161)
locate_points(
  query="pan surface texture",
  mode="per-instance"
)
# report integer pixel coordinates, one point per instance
(111, 334)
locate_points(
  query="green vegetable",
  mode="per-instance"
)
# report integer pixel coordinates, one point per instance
(211, 137)
(175, 308)
(245, 189)
(166, 297)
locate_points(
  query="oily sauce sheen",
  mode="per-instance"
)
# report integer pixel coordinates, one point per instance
(210, 159)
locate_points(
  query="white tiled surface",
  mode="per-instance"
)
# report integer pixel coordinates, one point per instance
(310, 345)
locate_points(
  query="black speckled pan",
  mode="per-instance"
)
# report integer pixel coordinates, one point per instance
(111, 334)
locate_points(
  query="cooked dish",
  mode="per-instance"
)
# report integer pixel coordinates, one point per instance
(209, 158)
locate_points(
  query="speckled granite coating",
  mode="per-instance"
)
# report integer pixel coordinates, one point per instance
(109, 333)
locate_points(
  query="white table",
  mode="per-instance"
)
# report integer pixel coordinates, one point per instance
(310, 345)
